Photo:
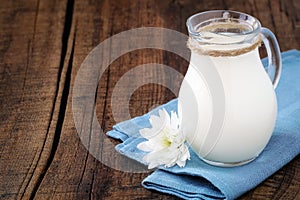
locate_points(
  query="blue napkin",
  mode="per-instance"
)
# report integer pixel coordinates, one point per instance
(198, 180)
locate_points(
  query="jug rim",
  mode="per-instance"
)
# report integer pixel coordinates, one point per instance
(203, 19)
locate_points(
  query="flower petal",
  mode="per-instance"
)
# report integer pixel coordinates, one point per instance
(144, 146)
(147, 133)
(157, 122)
(175, 123)
(181, 163)
(164, 115)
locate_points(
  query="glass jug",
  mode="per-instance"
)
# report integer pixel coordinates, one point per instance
(227, 104)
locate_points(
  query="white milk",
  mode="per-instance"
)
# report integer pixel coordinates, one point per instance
(250, 107)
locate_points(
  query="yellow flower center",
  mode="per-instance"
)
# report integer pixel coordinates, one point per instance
(166, 142)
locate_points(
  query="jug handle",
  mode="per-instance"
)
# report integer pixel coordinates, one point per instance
(274, 56)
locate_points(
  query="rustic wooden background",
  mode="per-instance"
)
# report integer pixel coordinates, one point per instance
(43, 43)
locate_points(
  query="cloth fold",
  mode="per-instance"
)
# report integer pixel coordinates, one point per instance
(198, 180)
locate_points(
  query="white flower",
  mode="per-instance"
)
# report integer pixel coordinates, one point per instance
(166, 141)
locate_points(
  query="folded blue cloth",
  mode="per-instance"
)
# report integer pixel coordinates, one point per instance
(198, 180)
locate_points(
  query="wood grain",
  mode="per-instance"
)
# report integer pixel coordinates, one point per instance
(42, 46)
(31, 50)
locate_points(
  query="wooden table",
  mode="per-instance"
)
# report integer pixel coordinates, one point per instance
(42, 46)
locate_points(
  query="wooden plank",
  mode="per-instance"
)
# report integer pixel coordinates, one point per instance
(291, 9)
(30, 54)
